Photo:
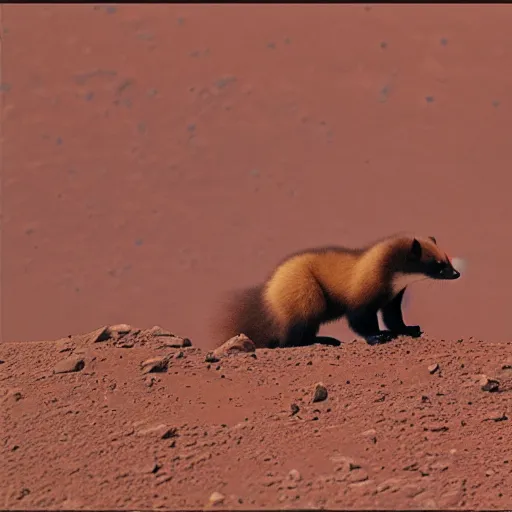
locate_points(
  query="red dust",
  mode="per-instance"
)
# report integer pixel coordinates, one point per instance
(387, 432)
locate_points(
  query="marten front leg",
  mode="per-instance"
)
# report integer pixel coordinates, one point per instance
(392, 316)
(365, 323)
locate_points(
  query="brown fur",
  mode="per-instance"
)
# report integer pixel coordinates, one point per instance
(316, 286)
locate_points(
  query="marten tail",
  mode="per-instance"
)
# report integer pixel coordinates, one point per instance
(244, 312)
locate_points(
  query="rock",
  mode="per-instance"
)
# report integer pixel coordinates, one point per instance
(433, 368)
(155, 364)
(158, 331)
(14, 394)
(343, 464)
(436, 428)
(162, 431)
(216, 498)
(240, 343)
(99, 335)
(489, 472)
(295, 409)
(488, 384)
(320, 393)
(151, 468)
(170, 432)
(69, 365)
(357, 475)
(211, 358)
(177, 342)
(497, 417)
(2, 361)
(150, 381)
(120, 329)
(294, 476)
(370, 434)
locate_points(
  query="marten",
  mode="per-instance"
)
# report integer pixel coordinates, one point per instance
(320, 285)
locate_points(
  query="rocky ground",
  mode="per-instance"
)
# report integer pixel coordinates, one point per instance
(121, 418)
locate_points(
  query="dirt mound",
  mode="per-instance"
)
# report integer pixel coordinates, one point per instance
(139, 418)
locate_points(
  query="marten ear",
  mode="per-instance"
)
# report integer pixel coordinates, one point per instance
(433, 239)
(415, 253)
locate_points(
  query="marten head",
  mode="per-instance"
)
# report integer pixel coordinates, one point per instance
(425, 257)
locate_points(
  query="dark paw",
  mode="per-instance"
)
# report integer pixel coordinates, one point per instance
(328, 341)
(414, 331)
(377, 339)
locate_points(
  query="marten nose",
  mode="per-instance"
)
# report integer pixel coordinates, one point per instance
(450, 273)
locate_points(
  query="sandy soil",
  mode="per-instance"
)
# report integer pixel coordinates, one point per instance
(405, 425)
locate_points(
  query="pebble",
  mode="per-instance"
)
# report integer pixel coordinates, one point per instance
(216, 498)
(69, 365)
(370, 434)
(497, 417)
(163, 431)
(14, 394)
(433, 368)
(211, 358)
(488, 384)
(320, 393)
(155, 364)
(158, 331)
(294, 476)
(239, 343)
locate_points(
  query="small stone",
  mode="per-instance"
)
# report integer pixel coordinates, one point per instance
(357, 475)
(433, 368)
(216, 498)
(99, 335)
(295, 409)
(151, 468)
(155, 365)
(211, 358)
(150, 381)
(175, 342)
(158, 331)
(162, 431)
(489, 472)
(239, 343)
(14, 394)
(320, 393)
(69, 365)
(294, 476)
(370, 434)
(497, 417)
(437, 428)
(487, 384)
(120, 329)
(170, 433)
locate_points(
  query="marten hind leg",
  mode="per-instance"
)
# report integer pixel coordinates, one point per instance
(300, 334)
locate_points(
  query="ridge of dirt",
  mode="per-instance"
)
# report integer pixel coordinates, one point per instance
(405, 425)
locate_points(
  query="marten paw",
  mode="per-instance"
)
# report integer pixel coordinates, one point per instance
(414, 331)
(381, 337)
